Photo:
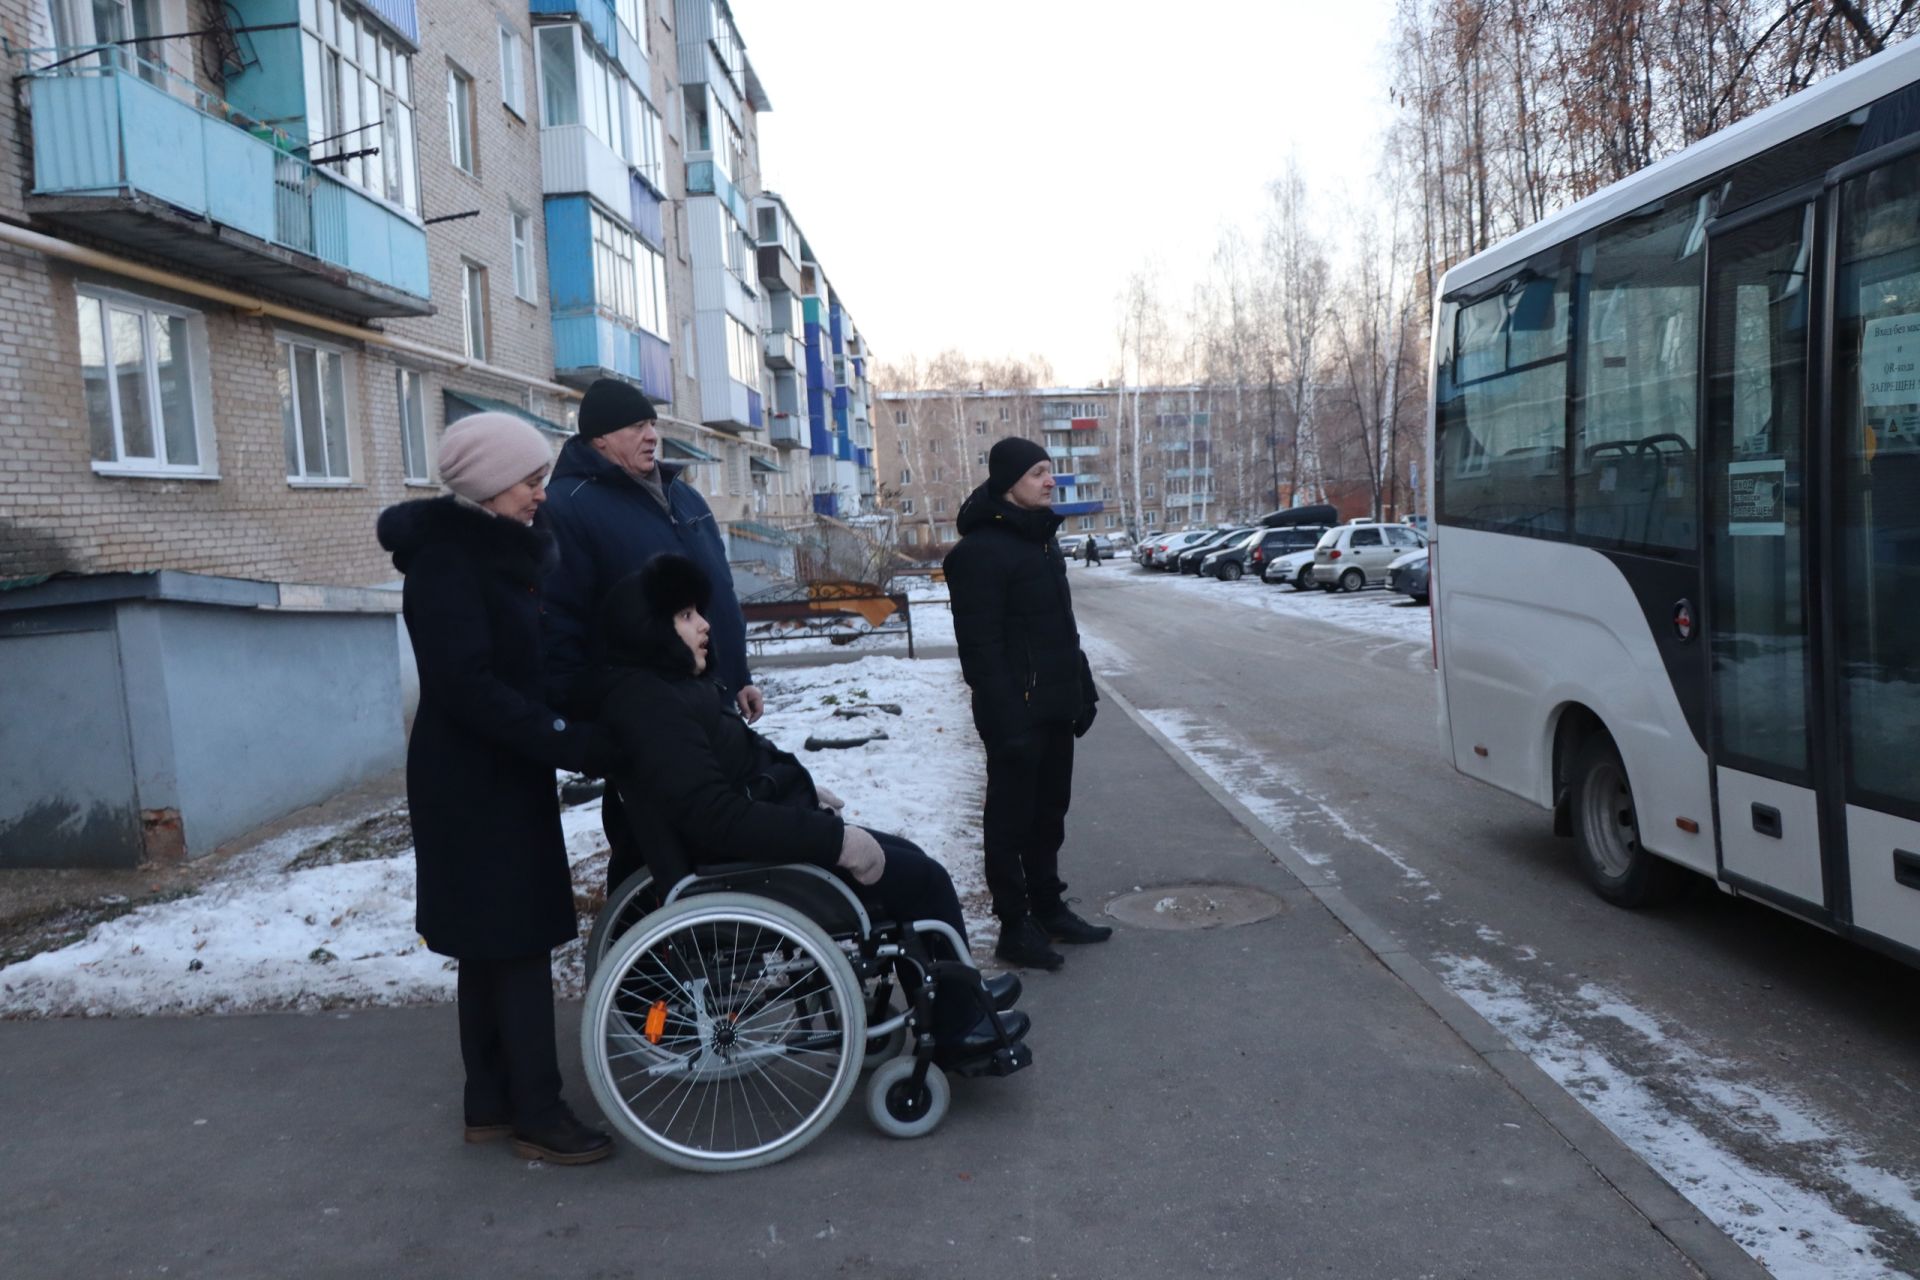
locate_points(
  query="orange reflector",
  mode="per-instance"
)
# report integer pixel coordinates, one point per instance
(1480, 751)
(656, 1021)
(1687, 825)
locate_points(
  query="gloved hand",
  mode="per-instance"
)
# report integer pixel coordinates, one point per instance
(1085, 722)
(828, 800)
(861, 855)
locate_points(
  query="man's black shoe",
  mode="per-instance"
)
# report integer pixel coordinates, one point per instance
(1023, 944)
(982, 1040)
(1003, 990)
(1062, 925)
(562, 1140)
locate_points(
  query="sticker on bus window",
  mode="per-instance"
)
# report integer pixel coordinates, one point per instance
(1756, 498)
(1890, 385)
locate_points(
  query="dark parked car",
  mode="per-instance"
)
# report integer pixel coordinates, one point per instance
(1189, 560)
(1252, 554)
(1408, 575)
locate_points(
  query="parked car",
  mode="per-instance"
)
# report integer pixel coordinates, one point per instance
(1154, 550)
(1295, 567)
(1189, 560)
(1358, 555)
(1251, 555)
(1408, 575)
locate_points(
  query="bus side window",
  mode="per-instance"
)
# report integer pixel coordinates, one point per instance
(1637, 406)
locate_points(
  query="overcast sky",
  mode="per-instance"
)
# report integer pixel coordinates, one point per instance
(985, 176)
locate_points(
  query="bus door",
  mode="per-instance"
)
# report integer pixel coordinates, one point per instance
(1874, 570)
(1759, 599)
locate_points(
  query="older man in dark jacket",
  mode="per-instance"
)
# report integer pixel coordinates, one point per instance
(1033, 694)
(612, 505)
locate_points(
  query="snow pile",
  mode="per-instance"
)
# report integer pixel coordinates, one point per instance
(267, 937)
(1377, 612)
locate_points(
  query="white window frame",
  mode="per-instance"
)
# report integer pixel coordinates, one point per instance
(286, 345)
(513, 71)
(1005, 413)
(416, 446)
(476, 342)
(463, 144)
(906, 506)
(383, 89)
(629, 278)
(520, 246)
(906, 475)
(200, 385)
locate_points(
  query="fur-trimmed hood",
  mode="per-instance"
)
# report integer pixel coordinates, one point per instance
(636, 618)
(523, 553)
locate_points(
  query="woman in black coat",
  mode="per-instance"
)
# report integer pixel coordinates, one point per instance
(701, 786)
(494, 887)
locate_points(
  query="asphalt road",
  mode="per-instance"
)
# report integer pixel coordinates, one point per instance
(1766, 1068)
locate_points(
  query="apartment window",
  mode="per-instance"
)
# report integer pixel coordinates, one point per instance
(359, 90)
(473, 309)
(939, 506)
(142, 367)
(906, 475)
(743, 353)
(1005, 413)
(1151, 518)
(412, 390)
(981, 458)
(513, 80)
(1086, 523)
(521, 234)
(979, 428)
(460, 120)
(1113, 520)
(906, 506)
(1149, 491)
(629, 278)
(902, 446)
(899, 417)
(313, 412)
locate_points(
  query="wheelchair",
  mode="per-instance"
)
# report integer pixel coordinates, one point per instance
(728, 1020)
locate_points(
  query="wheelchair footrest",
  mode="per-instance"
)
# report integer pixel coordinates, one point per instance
(1001, 1062)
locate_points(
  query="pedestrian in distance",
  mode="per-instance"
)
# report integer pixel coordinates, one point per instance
(1091, 550)
(494, 888)
(702, 787)
(1033, 694)
(614, 505)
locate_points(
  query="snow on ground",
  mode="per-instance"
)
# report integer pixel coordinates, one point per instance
(1374, 611)
(926, 602)
(1663, 1108)
(267, 937)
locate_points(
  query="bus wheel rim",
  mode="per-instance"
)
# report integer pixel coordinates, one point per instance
(1613, 831)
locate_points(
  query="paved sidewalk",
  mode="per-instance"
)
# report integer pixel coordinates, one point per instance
(1269, 1100)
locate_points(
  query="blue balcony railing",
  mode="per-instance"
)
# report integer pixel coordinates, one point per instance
(705, 179)
(110, 127)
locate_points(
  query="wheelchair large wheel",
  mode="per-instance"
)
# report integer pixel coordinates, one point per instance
(725, 1031)
(626, 906)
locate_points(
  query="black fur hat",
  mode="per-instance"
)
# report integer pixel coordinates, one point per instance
(636, 619)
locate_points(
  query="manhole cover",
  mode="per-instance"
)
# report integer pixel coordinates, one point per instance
(1194, 906)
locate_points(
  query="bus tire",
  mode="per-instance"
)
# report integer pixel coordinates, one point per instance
(1606, 830)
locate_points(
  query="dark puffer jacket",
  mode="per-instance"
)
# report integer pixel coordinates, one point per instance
(700, 786)
(492, 865)
(1013, 620)
(607, 526)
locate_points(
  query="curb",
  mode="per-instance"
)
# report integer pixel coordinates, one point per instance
(1675, 1217)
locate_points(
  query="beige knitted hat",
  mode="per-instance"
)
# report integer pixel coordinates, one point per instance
(485, 454)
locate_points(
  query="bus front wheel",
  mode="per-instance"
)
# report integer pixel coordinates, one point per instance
(1606, 829)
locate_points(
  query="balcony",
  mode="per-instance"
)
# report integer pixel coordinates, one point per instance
(705, 179)
(787, 431)
(601, 21)
(591, 346)
(782, 350)
(1189, 499)
(777, 269)
(574, 161)
(1095, 507)
(166, 170)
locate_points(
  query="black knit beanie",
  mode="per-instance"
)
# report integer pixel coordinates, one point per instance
(636, 618)
(1008, 460)
(611, 404)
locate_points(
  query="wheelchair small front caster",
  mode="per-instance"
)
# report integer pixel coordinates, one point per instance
(901, 1110)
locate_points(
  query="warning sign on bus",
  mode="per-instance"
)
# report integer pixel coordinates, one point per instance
(1756, 498)
(1890, 385)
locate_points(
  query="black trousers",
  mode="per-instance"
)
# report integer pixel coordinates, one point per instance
(506, 1040)
(1029, 789)
(623, 851)
(915, 887)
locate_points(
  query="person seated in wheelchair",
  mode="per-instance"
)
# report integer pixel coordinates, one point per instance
(702, 788)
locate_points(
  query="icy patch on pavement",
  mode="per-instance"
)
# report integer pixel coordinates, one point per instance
(1796, 1232)
(1106, 659)
(1250, 775)
(342, 935)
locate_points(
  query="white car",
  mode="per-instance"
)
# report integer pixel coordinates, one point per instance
(1295, 567)
(1360, 555)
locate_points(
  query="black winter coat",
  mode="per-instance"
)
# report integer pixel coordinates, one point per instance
(492, 865)
(607, 527)
(1013, 620)
(701, 786)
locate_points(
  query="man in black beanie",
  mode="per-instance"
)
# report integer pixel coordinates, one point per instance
(612, 505)
(1032, 694)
